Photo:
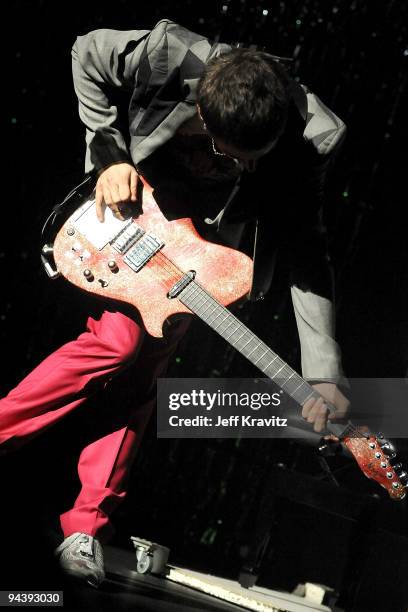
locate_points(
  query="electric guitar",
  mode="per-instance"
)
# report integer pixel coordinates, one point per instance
(165, 267)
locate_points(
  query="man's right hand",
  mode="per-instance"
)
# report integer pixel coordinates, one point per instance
(116, 186)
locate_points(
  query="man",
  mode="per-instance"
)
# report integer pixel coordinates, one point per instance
(206, 124)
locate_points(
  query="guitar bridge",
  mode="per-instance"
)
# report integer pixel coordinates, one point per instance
(127, 238)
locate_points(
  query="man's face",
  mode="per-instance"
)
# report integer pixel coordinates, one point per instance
(246, 158)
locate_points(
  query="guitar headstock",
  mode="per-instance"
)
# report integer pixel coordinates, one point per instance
(376, 456)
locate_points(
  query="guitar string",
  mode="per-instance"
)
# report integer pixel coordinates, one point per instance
(198, 289)
(172, 269)
(169, 266)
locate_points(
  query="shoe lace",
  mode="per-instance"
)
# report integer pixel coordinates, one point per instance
(86, 545)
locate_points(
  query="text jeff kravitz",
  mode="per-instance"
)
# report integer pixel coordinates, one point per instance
(231, 421)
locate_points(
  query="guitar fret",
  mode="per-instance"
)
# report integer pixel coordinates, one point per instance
(291, 384)
(277, 372)
(213, 311)
(231, 334)
(211, 319)
(246, 344)
(254, 349)
(206, 308)
(230, 323)
(261, 357)
(288, 379)
(273, 371)
(238, 339)
(298, 387)
(194, 298)
(274, 359)
(218, 324)
(197, 301)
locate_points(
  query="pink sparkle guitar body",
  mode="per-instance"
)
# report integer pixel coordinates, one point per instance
(83, 250)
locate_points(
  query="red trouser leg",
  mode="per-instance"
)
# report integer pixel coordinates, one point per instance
(67, 377)
(64, 380)
(104, 465)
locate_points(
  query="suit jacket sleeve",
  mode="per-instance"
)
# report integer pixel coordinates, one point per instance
(312, 287)
(103, 62)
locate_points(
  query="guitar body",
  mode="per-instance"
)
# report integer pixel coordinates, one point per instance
(224, 272)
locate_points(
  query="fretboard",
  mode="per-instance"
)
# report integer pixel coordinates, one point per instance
(221, 320)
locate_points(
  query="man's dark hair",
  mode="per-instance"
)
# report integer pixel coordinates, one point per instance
(243, 97)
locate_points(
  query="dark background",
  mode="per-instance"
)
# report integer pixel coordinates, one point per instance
(201, 497)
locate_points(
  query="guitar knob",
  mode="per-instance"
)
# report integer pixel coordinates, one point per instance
(88, 275)
(112, 265)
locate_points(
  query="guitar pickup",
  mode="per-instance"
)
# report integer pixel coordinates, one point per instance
(127, 238)
(141, 252)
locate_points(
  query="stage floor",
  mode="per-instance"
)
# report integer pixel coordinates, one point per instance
(125, 589)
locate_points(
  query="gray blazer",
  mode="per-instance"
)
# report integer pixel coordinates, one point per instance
(159, 70)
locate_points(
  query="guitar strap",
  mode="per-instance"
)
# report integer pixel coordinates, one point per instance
(68, 205)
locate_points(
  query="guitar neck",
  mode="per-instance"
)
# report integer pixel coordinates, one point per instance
(221, 320)
(227, 325)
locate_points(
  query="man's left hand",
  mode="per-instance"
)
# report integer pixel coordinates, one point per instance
(317, 411)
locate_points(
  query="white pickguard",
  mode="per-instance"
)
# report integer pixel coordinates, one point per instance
(99, 234)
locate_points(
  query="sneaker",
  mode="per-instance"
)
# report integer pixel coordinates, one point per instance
(81, 556)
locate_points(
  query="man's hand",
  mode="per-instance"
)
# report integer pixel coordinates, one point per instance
(116, 186)
(317, 411)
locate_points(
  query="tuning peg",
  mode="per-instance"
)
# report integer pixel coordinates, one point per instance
(403, 476)
(388, 449)
(397, 467)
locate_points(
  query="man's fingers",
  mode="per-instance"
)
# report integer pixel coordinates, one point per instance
(320, 420)
(116, 186)
(123, 193)
(331, 437)
(116, 200)
(100, 204)
(307, 406)
(315, 411)
(107, 201)
(133, 186)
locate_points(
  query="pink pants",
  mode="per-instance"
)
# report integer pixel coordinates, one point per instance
(64, 380)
